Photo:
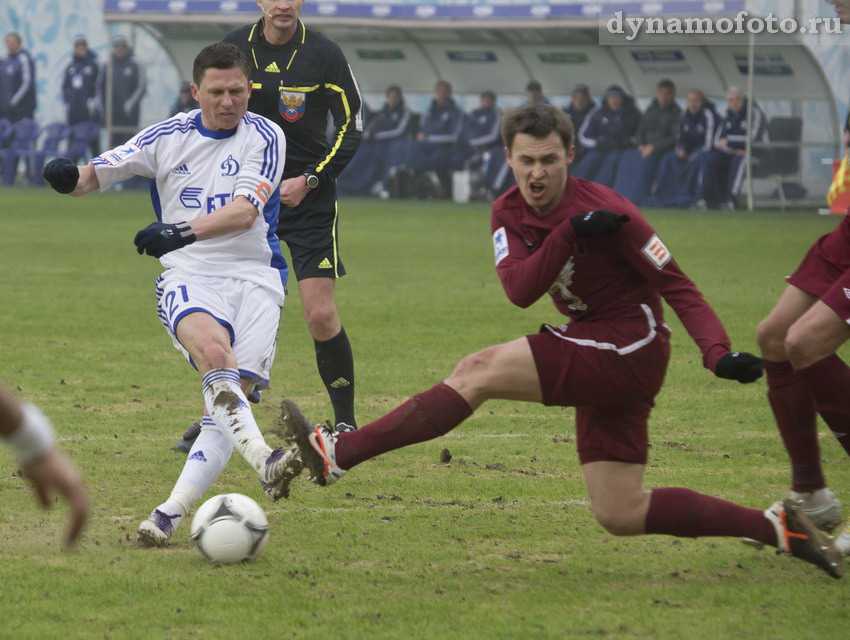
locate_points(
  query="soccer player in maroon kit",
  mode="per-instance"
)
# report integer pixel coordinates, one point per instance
(798, 341)
(607, 270)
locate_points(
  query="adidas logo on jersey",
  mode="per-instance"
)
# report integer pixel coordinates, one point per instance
(182, 170)
(325, 264)
(198, 455)
(339, 383)
(272, 68)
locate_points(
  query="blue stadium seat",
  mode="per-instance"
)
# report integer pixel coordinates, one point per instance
(53, 135)
(23, 136)
(80, 136)
(5, 129)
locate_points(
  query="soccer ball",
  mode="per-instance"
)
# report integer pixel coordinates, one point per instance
(230, 528)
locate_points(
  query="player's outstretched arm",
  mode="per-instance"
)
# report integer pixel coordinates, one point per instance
(741, 366)
(53, 471)
(31, 438)
(67, 178)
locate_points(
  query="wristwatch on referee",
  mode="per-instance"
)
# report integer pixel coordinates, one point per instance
(312, 179)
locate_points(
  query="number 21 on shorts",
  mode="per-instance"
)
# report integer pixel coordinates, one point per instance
(173, 301)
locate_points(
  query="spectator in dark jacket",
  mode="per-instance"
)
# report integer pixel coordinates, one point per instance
(128, 87)
(483, 137)
(679, 179)
(608, 130)
(82, 88)
(580, 105)
(534, 93)
(438, 146)
(724, 169)
(185, 102)
(656, 135)
(384, 148)
(17, 82)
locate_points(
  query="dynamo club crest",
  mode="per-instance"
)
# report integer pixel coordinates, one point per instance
(292, 105)
(230, 167)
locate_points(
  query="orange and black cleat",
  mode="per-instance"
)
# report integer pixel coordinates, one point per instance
(797, 535)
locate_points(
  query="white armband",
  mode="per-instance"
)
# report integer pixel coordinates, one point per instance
(33, 438)
(253, 186)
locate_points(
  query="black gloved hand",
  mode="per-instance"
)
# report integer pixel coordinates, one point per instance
(597, 223)
(159, 238)
(741, 366)
(61, 174)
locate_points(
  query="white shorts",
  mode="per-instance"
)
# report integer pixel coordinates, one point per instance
(246, 310)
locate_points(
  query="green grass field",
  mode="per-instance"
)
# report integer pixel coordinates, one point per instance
(498, 543)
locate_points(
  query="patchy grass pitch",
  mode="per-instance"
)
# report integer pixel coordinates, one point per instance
(497, 543)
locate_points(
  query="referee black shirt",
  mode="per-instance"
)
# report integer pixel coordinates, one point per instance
(295, 84)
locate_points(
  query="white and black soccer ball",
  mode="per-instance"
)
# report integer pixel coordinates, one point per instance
(230, 528)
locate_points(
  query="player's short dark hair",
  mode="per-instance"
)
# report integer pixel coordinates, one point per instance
(537, 120)
(221, 55)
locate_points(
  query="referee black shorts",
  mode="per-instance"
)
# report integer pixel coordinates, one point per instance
(310, 230)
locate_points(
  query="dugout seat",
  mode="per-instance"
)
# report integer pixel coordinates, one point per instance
(22, 139)
(5, 128)
(780, 158)
(80, 136)
(52, 136)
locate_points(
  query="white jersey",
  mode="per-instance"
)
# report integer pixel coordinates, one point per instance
(198, 170)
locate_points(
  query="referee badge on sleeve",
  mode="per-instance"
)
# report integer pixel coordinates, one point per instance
(500, 244)
(656, 252)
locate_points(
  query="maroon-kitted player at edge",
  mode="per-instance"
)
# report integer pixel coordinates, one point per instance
(607, 271)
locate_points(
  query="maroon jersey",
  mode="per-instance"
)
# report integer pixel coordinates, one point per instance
(605, 279)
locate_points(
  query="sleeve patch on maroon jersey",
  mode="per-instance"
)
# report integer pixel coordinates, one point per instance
(500, 244)
(657, 253)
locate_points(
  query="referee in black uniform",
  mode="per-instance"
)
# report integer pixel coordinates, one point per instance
(299, 76)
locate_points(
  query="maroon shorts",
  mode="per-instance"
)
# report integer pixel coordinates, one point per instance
(611, 374)
(825, 271)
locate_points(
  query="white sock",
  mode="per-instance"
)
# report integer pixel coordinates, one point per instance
(209, 456)
(230, 411)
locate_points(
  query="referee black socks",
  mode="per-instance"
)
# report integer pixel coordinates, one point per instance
(336, 367)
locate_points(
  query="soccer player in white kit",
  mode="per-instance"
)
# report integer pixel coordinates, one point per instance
(216, 199)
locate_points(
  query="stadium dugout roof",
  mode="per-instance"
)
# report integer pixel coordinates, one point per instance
(498, 45)
(419, 13)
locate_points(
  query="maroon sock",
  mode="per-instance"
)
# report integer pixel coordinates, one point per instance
(688, 514)
(828, 381)
(794, 410)
(425, 416)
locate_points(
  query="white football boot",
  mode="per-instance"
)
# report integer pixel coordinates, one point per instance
(280, 469)
(156, 531)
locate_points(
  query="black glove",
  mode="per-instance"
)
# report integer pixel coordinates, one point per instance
(597, 223)
(159, 238)
(740, 366)
(61, 174)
